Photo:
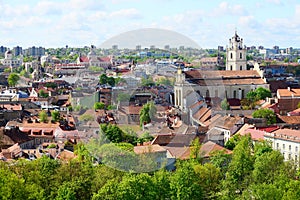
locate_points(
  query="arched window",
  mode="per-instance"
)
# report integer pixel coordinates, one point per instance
(241, 67)
(231, 67)
(231, 56)
(241, 55)
(234, 94)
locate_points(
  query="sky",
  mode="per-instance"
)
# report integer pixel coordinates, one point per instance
(78, 23)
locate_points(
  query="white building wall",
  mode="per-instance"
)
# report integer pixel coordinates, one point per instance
(289, 149)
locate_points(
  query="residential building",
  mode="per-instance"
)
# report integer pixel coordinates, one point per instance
(288, 99)
(10, 61)
(17, 51)
(9, 95)
(286, 141)
(34, 51)
(46, 59)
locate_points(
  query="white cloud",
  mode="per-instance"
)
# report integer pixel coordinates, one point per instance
(47, 7)
(224, 8)
(277, 2)
(130, 13)
(248, 21)
(84, 5)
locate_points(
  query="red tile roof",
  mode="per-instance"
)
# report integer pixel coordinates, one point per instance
(104, 59)
(285, 134)
(209, 147)
(268, 129)
(288, 92)
(84, 59)
(256, 135)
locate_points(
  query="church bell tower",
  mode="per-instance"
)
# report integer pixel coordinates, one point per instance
(236, 54)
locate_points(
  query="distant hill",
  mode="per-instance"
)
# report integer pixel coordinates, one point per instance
(147, 37)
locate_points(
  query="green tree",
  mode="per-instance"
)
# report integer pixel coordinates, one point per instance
(233, 141)
(146, 137)
(251, 96)
(298, 105)
(43, 94)
(7, 70)
(263, 93)
(240, 169)
(111, 107)
(114, 134)
(209, 179)
(184, 183)
(293, 191)
(268, 167)
(51, 85)
(221, 160)
(13, 79)
(66, 192)
(225, 105)
(195, 150)
(103, 79)
(267, 114)
(99, 105)
(55, 116)
(130, 187)
(24, 73)
(82, 152)
(286, 60)
(43, 116)
(147, 113)
(111, 81)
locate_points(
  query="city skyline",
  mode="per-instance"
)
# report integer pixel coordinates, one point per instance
(81, 23)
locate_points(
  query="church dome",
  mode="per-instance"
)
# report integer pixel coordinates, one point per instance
(8, 54)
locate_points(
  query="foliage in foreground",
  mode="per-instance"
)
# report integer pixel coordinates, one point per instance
(252, 172)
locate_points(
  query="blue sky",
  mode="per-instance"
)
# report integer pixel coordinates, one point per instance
(77, 23)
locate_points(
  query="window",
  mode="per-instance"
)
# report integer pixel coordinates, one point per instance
(296, 149)
(234, 94)
(277, 146)
(207, 93)
(283, 146)
(290, 156)
(231, 56)
(241, 55)
(296, 158)
(290, 147)
(231, 67)
(241, 67)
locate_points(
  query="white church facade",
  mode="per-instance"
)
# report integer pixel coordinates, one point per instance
(233, 83)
